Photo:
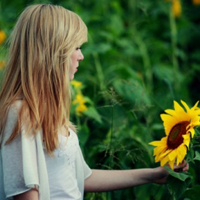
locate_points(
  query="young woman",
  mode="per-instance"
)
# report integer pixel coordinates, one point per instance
(40, 157)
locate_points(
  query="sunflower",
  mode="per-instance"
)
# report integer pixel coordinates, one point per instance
(196, 2)
(76, 83)
(179, 127)
(80, 104)
(2, 36)
(176, 8)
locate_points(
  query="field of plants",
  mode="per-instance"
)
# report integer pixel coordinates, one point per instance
(140, 57)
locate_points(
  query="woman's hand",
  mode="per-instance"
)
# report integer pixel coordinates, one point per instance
(108, 180)
(163, 173)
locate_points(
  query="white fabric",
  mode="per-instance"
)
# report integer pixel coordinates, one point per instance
(23, 164)
(61, 169)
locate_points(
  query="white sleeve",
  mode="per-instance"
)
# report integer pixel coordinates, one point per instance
(22, 163)
(87, 171)
(82, 171)
(11, 158)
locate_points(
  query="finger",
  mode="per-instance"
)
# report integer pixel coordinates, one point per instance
(186, 167)
(181, 167)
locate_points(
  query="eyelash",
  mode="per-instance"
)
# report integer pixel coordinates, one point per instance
(78, 48)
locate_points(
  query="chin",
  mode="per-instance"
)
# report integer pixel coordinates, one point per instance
(71, 78)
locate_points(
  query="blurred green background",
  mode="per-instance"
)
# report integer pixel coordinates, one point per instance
(140, 56)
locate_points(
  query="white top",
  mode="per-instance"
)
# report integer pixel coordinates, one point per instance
(24, 164)
(61, 169)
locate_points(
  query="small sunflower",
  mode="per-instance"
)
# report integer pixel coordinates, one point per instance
(176, 8)
(196, 2)
(179, 127)
(76, 83)
(2, 36)
(80, 104)
(2, 64)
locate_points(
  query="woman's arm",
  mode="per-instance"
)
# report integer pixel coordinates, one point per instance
(30, 195)
(107, 180)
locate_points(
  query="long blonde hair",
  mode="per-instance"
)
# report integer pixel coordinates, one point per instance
(41, 44)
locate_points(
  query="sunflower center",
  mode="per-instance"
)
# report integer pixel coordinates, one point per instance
(175, 136)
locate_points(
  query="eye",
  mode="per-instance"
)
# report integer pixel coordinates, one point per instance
(78, 48)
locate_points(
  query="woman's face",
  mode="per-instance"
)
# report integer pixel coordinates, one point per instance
(75, 58)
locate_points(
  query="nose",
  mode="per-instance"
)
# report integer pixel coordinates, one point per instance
(81, 57)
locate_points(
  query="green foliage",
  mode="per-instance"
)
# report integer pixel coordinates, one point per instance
(177, 187)
(138, 59)
(193, 193)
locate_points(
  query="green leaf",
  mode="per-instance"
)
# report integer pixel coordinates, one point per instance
(97, 48)
(92, 113)
(193, 193)
(197, 155)
(83, 134)
(157, 126)
(182, 176)
(190, 155)
(177, 187)
(132, 90)
(164, 72)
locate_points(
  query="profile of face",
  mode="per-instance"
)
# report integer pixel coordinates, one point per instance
(76, 57)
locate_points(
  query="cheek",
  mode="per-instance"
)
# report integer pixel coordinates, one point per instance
(73, 57)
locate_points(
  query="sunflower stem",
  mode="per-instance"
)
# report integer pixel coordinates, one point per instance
(174, 198)
(111, 129)
(146, 60)
(174, 43)
(99, 70)
(173, 40)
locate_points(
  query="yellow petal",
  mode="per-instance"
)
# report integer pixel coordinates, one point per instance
(172, 155)
(164, 161)
(178, 108)
(171, 164)
(168, 118)
(185, 105)
(191, 132)
(186, 138)
(171, 112)
(182, 151)
(165, 153)
(159, 150)
(158, 143)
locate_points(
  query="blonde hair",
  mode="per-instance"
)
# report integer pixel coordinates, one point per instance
(41, 44)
